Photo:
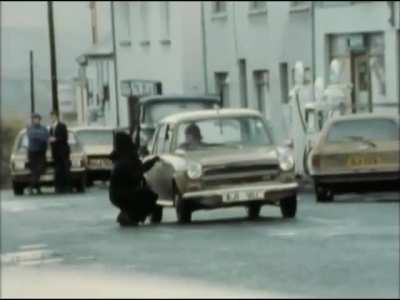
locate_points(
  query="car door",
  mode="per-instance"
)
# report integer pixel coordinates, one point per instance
(160, 176)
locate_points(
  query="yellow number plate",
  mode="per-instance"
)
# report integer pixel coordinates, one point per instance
(359, 161)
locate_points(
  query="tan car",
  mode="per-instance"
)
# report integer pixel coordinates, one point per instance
(356, 154)
(20, 173)
(236, 163)
(97, 143)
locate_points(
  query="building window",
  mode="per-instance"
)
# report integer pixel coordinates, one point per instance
(284, 81)
(222, 87)
(257, 5)
(144, 18)
(165, 21)
(125, 23)
(219, 7)
(261, 82)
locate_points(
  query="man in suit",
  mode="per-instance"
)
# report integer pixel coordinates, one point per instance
(60, 152)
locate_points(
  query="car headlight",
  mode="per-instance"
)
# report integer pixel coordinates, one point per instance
(286, 160)
(19, 165)
(76, 163)
(194, 170)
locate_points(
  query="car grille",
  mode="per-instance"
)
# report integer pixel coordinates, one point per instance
(239, 174)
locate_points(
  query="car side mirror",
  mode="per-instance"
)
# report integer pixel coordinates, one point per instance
(288, 143)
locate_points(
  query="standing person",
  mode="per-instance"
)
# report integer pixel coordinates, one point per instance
(60, 152)
(38, 137)
(128, 188)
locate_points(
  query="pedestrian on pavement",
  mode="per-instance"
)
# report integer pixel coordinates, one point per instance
(128, 187)
(60, 152)
(38, 137)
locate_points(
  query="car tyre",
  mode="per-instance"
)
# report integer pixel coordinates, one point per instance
(323, 195)
(80, 186)
(18, 189)
(289, 207)
(253, 211)
(183, 212)
(156, 216)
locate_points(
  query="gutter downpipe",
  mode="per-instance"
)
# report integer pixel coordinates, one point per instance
(204, 43)
(313, 46)
(115, 62)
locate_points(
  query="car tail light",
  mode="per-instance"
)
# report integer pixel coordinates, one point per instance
(316, 162)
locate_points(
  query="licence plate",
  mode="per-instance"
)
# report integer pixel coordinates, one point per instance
(238, 196)
(358, 160)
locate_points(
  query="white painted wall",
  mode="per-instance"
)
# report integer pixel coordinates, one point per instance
(177, 64)
(359, 18)
(264, 39)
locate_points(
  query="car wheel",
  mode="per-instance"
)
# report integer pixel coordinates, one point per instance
(289, 207)
(322, 194)
(157, 214)
(183, 212)
(18, 189)
(253, 211)
(80, 186)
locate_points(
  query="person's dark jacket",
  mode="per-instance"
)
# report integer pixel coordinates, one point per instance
(60, 147)
(128, 188)
(38, 136)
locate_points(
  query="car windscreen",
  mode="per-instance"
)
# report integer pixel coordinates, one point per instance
(95, 137)
(155, 112)
(226, 131)
(23, 141)
(368, 129)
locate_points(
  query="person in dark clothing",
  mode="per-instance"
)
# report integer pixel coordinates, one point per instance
(128, 188)
(37, 146)
(60, 152)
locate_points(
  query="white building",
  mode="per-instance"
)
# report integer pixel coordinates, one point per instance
(251, 50)
(364, 37)
(158, 41)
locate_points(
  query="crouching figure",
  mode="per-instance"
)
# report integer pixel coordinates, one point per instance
(128, 187)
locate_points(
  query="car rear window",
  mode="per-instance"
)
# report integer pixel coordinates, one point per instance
(375, 129)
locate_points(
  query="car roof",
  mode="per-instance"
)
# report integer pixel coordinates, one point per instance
(365, 116)
(179, 97)
(211, 113)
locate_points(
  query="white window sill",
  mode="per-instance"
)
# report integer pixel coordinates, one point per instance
(145, 43)
(219, 16)
(165, 41)
(258, 12)
(300, 8)
(125, 43)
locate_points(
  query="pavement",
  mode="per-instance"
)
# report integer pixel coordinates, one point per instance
(71, 246)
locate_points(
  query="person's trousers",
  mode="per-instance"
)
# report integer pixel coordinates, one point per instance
(37, 166)
(62, 176)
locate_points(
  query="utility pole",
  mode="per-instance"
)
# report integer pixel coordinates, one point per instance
(53, 60)
(115, 62)
(93, 11)
(32, 81)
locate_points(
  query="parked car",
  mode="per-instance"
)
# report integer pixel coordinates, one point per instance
(97, 143)
(154, 108)
(237, 163)
(356, 154)
(20, 173)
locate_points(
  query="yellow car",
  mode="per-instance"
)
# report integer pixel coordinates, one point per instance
(356, 154)
(20, 173)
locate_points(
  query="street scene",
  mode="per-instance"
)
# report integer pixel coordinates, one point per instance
(200, 149)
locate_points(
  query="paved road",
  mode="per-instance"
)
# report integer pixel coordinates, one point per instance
(71, 246)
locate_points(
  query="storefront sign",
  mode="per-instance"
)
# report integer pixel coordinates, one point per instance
(139, 88)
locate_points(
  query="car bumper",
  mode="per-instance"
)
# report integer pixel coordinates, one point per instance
(48, 177)
(266, 193)
(360, 182)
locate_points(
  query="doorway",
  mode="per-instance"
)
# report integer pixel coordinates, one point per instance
(361, 78)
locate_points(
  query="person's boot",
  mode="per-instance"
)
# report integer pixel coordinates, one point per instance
(124, 220)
